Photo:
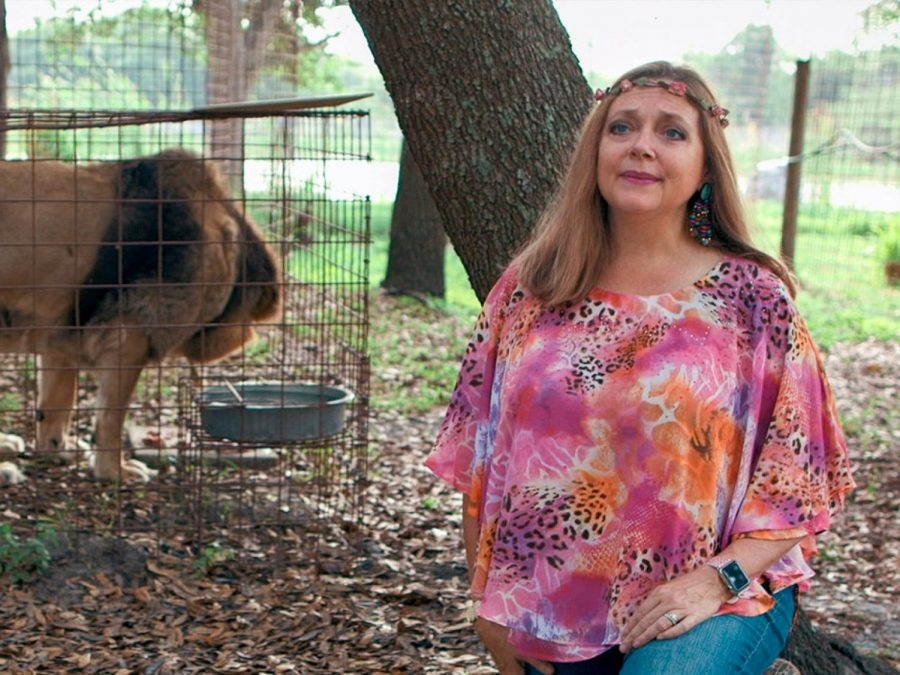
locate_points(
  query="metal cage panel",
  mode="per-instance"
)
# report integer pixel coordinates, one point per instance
(79, 182)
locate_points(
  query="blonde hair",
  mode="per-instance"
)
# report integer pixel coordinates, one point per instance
(571, 242)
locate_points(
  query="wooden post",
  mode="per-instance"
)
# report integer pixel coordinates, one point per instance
(792, 183)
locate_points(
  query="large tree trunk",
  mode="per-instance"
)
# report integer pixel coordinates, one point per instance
(817, 653)
(488, 95)
(418, 242)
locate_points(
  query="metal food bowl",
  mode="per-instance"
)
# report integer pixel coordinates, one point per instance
(273, 412)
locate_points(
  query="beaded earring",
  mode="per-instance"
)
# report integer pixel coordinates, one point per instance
(699, 220)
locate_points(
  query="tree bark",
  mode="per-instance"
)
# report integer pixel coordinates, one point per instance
(818, 653)
(488, 95)
(225, 83)
(418, 242)
(236, 56)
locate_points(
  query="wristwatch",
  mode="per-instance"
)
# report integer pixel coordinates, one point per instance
(731, 573)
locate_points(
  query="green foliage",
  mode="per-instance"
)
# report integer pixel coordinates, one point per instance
(386, 134)
(851, 92)
(21, 560)
(889, 244)
(882, 14)
(10, 402)
(71, 62)
(431, 503)
(156, 58)
(210, 556)
(257, 351)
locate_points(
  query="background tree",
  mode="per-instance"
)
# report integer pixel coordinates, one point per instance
(239, 35)
(418, 242)
(489, 96)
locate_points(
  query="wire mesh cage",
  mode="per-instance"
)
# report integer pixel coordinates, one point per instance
(225, 317)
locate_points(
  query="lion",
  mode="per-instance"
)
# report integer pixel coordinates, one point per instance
(112, 266)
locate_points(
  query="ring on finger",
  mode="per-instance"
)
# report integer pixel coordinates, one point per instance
(672, 617)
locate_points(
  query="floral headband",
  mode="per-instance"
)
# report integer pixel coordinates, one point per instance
(675, 87)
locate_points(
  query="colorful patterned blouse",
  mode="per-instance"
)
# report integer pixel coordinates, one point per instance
(620, 442)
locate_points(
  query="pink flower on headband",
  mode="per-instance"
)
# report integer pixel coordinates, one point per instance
(625, 85)
(717, 111)
(678, 88)
(599, 95)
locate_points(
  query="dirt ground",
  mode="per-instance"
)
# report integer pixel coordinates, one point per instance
(388, 597)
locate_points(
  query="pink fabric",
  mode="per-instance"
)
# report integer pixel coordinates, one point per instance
(620, 442)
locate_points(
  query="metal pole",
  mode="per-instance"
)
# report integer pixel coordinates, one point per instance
(792, 183)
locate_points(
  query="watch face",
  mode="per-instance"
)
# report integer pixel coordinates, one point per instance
(734, 576)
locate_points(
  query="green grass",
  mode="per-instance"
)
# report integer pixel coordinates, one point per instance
(416, 347)
(416, 350)
(459, 297)
(844, 295)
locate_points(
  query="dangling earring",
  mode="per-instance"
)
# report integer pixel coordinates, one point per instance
(699, 220)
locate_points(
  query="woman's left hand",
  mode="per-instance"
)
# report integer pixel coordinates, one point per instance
(690, 599)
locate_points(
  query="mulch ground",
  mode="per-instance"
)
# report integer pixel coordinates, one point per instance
(388, 597)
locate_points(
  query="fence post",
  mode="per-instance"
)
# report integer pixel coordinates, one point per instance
(4, 71)
(792, 183)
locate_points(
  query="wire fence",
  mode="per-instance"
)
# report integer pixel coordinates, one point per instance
(847, 248)
(851, 198)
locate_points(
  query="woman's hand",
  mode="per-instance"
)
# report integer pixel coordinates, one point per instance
(692, 599)
(505, 656)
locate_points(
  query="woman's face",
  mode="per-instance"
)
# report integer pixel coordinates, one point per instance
(651, 155)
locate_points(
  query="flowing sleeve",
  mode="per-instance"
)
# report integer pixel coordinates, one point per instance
(461, 450)
(800, 473)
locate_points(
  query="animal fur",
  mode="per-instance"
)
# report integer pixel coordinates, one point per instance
(112, 266)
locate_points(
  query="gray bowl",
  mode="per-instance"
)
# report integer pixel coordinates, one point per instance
(273, 412)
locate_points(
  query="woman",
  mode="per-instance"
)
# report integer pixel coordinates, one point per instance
(642, 431)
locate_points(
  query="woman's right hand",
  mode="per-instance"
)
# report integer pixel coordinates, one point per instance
(505, 656)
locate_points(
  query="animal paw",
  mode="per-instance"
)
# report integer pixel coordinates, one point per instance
(131, 470)
(10, 474)
(11, 445)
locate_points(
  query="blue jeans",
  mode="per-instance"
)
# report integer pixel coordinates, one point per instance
(722, 645)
